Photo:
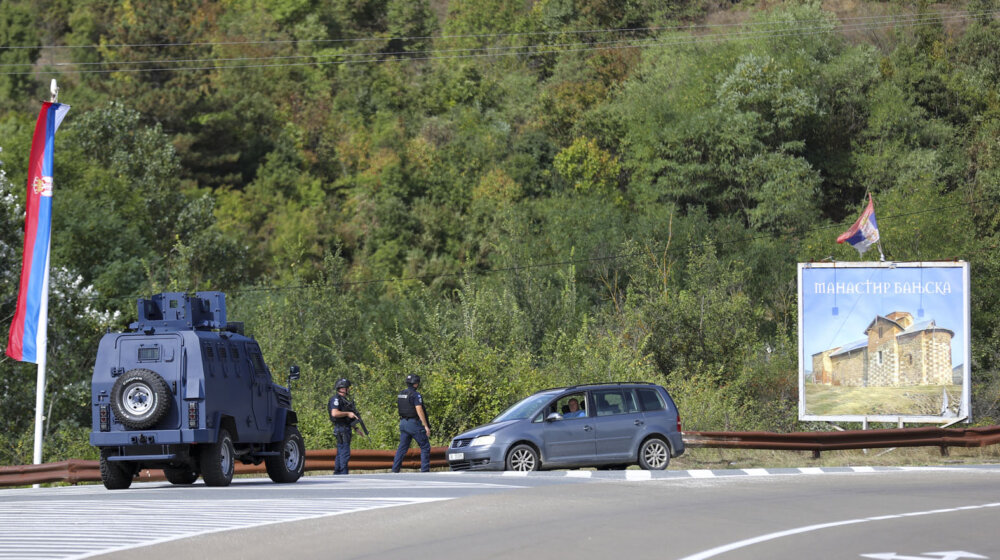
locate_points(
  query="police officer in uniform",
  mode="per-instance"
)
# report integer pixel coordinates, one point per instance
(342, 414)
(412, 425)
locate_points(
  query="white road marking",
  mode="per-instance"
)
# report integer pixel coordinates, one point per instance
(65, 524)
(702, 473)
(950, 555)
(809, 528)
(579, 474)
(117, 525)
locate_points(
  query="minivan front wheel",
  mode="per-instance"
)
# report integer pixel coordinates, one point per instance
(522, 458)
(654, 454)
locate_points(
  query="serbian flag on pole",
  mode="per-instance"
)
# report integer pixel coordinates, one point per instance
(864, 232)
(27, 332)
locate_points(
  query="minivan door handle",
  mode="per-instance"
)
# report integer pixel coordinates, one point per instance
(587, 428)
(639, 422)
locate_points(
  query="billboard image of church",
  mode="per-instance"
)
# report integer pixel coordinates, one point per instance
(895, 352)
(884, 342)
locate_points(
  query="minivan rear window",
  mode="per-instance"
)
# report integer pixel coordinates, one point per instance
(650, 400)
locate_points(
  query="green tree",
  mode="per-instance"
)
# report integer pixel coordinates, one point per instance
(21, 50)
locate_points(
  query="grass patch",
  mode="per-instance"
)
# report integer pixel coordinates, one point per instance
(920, 400)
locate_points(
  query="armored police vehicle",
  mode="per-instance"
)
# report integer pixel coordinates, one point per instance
(187, 392)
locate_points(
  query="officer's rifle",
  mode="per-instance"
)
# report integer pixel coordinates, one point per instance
(359, 422)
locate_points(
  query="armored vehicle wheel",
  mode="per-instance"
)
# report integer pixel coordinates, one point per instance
(288, 466)
(217, 461)
(180, 476)
(140, 398)
(114, 474)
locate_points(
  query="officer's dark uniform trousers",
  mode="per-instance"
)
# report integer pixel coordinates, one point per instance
(411, 429)
(343, 434)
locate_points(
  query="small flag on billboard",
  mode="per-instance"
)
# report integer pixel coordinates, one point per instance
(864, 232)
(27, 332)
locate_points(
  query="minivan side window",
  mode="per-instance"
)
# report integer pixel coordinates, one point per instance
(630, 404)
(609, 401)
(650, 400)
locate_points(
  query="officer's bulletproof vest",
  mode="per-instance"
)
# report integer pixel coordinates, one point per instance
(406, 409)
(346, 405)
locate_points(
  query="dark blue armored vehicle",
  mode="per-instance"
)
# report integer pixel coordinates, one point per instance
(187, 392)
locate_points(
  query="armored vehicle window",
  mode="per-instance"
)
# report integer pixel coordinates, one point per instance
(151, 354)
(235, 352)
(258, 361)
(222, 352)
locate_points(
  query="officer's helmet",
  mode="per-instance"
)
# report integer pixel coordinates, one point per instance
(412, 379)
(341, 383)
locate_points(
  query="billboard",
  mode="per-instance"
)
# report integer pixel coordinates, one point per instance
(884, 342)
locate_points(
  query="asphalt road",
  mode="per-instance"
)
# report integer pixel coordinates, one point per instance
(892, 513)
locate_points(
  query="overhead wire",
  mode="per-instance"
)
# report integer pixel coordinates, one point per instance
(638, 43)
(682, 27)
(512, 50)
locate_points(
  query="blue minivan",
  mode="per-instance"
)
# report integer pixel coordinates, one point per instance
(611, 425)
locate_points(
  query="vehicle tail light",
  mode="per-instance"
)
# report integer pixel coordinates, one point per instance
(105, 418)
(192, 415)
(679, 422)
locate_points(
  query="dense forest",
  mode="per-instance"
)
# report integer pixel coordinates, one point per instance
(500, 196)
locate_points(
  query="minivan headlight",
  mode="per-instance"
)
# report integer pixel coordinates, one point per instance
(482, 440)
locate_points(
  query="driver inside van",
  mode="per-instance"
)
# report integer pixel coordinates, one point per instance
(574, 409)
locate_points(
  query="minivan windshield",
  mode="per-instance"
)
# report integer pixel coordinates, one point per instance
(525, 407)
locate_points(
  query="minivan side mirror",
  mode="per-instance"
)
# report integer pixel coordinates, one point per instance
(293, 374)
(553, 417)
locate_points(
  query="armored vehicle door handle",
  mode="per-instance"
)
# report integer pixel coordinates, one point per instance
(587, 428)
(639, 422)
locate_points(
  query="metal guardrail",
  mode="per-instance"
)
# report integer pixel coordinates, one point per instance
(75, 471)
(72, 471)
(848, 439)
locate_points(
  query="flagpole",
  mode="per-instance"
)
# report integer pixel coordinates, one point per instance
(881, 255)
(43, 324)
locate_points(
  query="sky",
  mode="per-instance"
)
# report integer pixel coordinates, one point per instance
(882, 289)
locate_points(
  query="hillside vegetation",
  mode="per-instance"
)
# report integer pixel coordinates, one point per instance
(500, 196)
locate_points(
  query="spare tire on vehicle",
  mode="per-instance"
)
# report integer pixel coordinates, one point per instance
(140, 398)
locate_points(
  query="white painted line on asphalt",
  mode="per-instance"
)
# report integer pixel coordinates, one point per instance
(701, 473)
(86, 531)
(579, 474)
(638, 475)
(809, 528)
